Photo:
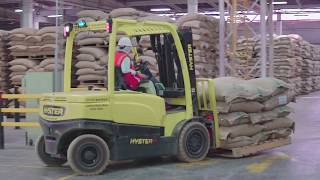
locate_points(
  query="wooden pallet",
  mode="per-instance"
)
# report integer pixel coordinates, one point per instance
(252, 149)
(92, 82)
(96, 45)
(34, 57)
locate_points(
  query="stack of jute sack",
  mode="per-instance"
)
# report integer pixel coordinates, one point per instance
(245, 58)
(91, 62)
(307, 65)
(23, 44)
(287, 60)
(316, 67)
(253, 111)
(46, 46)
(4, 71)
(205, 38)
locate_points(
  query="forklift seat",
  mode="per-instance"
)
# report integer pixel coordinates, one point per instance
(119, 81)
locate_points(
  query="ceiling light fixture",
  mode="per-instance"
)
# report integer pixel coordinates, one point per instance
(18, 10)
(54, 16)
(279, 2)
(160, 9)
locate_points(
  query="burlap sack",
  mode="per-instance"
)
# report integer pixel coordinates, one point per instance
(103, 61)
(86, 19)
(95, 51)
(48, 37)
(240, 130)
(18, 68)
(25, 31)
(279, 133)
(88, 64)
(279, 100)
(33, 39)
(196, 24)
(48, 47)
(90, 34)
(247, 107)
(87, 71)
(85, 57)
(260, 117)
(51, 67)
(236, 142)
(24, 62)
(124, 12)
(191, 17)
(17, 73)
(17, 78)
(17, 37)
(91, 41)
(278, 124)
(233, 119)
(91, 77)
(48, 61)
(34, 49)
(49, 29)
(270, 86)
(95, 14)
(18, 48)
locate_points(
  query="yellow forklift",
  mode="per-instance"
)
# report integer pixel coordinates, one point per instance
(91, 128)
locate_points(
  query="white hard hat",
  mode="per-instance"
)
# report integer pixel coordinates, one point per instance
(125, 42)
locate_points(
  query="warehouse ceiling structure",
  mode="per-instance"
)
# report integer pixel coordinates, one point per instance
(10, 14)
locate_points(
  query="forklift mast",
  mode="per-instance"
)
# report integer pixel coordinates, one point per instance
(170, 69)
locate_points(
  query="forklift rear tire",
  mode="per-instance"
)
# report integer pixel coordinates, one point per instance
(88, 155)
(194, 142)
(45, 157)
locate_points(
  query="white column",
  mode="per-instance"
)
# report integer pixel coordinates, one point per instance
(192, 6)
(271, 30)
(279, 24)
(36, 22)
(221, 39)
(263, 34)
(27, 14)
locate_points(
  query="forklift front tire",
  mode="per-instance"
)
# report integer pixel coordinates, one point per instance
(45, 157)
(194, 142)
(88, 155)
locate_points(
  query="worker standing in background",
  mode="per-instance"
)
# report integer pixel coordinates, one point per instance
(132, 78)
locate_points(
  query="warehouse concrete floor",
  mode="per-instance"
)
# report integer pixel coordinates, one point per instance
(300, 160)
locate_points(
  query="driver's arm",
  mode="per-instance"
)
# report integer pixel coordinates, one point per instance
(125, 67)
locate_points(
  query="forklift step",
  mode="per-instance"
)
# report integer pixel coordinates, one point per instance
(251, 149)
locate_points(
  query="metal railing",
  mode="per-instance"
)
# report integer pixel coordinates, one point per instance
(5, 99)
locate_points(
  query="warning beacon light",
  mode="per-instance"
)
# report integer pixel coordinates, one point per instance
(67, 29)
(82, 24)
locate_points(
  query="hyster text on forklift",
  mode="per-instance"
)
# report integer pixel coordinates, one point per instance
(91, 128)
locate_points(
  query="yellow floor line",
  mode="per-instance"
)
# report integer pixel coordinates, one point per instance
(265, 164)
(205, 162)
(66, 177)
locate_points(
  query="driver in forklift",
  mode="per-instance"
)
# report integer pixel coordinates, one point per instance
(132, 78)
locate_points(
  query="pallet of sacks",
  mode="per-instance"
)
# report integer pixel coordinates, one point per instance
(4, 71)
(205, 38)
(92, 52)
(23, 46)
(253, 111)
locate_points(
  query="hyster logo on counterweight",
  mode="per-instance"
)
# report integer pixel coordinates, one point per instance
(53, 110)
